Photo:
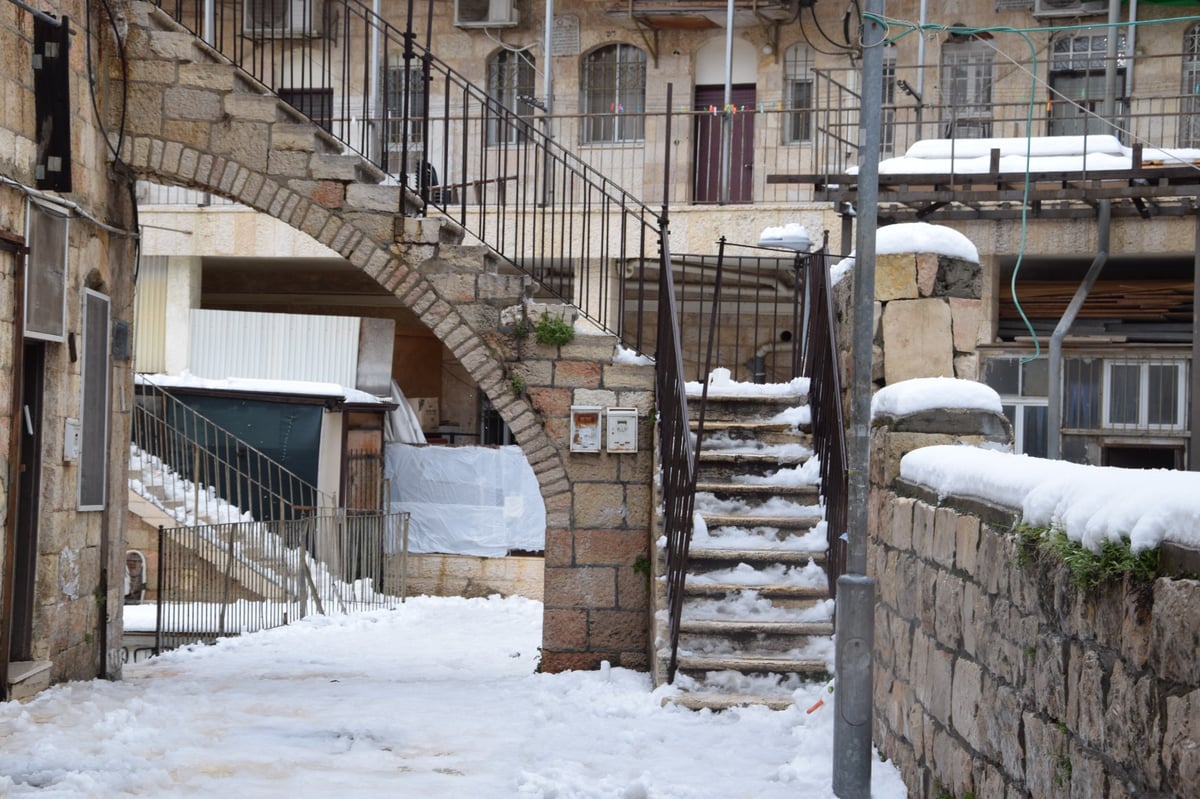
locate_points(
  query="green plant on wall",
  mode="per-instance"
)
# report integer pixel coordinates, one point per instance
(553, 330)
(516, 384)
(1088, 569)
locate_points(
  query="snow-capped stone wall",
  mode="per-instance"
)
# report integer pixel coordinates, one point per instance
(993, 675)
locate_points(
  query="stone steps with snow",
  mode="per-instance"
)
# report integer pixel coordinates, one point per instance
(800, 494)
(757, 618)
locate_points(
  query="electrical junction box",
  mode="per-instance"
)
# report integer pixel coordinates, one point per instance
(622, 429)
(585, 428)
(72, 433)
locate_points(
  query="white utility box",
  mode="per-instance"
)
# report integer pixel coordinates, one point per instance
(622, 429)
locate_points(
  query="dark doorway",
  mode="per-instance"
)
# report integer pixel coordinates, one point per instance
(28, 489)
(1143, 457)
(709, 105)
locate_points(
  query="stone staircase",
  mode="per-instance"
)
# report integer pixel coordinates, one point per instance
(757, 616)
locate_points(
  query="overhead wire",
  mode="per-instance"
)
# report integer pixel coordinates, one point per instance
(908, 27)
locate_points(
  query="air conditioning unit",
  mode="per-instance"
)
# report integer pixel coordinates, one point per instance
(1069, 8)
(282, 18)
(485, 13)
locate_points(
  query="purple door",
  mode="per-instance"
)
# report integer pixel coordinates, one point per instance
(706, 158)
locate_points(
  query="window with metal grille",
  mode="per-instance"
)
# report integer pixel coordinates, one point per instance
(1023, 387)
(46, 277)
(93, 450)
(614, 94)
(510, 76)
(316, 104)
(1189, 110)
(968, 74)
(1145, 395)
(798, 94)
(398, 82)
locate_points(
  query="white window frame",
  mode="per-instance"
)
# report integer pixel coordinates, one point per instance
(1143, 395)
(1018, 420)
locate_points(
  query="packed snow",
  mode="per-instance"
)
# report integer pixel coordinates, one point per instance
(305, 388)
(439, 697)
(1091, 504)
(927, 393)
(721, 385)
(908, 237)
(1035, 154)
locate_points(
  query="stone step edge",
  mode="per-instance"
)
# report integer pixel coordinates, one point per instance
(769, 590)
(691, 700)
(770, 458)
(757, 488)
(743, 663)
(785, 556)
(741, 626)
(778, 522)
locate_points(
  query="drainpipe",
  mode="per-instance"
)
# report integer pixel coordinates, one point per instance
(1131, 47)
(726, 117)
(8, 571)
(1054, 409)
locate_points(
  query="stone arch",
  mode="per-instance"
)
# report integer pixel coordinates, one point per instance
(322, 209)
(196, 121)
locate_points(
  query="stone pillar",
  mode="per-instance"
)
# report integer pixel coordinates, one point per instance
(927, 313)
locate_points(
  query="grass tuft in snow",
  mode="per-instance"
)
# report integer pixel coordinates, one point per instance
(1114, 562)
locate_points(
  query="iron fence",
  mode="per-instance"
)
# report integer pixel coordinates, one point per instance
(228, 579)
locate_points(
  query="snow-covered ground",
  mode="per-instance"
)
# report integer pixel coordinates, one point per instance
(437, 698)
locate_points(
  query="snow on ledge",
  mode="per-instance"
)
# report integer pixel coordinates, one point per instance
(719, 385)
(907, 237)
(186, 379)
(929, 393)
(1091, 504)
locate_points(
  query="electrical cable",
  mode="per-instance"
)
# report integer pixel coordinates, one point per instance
(908, 27)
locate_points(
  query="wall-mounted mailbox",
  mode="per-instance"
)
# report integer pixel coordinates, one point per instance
(622, 429)
(72, 433)
(585, 428)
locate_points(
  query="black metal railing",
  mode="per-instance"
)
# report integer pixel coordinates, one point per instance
(200, 473)
(380, 91)
(821, 366)
(228, 579)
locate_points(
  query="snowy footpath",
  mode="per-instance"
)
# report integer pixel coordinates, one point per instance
(439, 698)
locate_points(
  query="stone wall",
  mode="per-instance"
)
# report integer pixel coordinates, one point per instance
(78, 555)
(994, 677)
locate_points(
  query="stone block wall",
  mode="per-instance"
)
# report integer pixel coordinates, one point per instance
(927, 317)
(598, 525)
(994, 677)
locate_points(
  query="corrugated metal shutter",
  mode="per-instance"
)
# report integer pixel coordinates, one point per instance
(93, 453)
(321, 349)
(150, 346)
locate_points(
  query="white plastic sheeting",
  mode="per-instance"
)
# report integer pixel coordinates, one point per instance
(467, 500)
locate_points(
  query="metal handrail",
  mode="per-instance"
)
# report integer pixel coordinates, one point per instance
(207, 471)
(821, 366)
(557, 211)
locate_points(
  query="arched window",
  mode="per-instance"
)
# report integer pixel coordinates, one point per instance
(1189, 112)
(968, 73)
(510, 76)
(798, 94)
(614, 94)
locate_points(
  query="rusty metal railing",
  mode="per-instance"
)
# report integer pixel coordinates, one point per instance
(821, 366)
(228, 579)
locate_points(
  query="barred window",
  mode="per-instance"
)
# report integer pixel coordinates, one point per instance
(968, 74)
(614, 94)
(510, 76)
(399, 81)
(1189, 116)
(798, 94)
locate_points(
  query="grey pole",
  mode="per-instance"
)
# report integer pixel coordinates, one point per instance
(855, 590)
(726, 118)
